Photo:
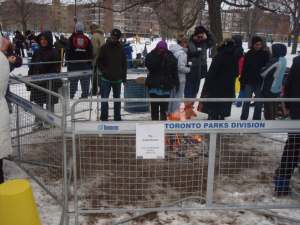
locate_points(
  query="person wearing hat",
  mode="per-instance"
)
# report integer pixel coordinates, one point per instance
(45, 53)
(199, 43)
(79, 48)
(5, 138)
(97, 42)
(251, 81)
(113, 66)
(161, 79)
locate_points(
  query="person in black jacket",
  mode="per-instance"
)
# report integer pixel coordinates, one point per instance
(199, 43)
(291, 153)
(79, 48)
(113, 66)
(45, 53)
(220, 80)
(19, 41)
(255, 59)
(161, 79)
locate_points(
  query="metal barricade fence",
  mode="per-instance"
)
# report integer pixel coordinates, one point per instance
(211, 162)
(219, 164)
(39, 137)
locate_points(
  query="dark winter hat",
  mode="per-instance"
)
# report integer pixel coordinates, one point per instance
(200, 30)
(116, 33)
(48, 36)
(162, 45)
(238, 39)
(279, 50)
(256, 39)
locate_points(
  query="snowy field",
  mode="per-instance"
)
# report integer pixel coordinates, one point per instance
(237, 190)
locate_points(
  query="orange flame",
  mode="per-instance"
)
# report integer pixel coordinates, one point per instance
(197, 138)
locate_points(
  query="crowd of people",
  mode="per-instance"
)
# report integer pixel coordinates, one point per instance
(259, 70)
(174, 71)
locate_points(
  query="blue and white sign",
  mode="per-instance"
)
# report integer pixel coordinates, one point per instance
(191, 127)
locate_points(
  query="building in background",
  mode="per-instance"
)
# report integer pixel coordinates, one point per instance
(249, 22)
(140, 20)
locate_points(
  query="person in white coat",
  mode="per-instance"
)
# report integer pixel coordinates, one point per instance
(179, 50)
(5, 139)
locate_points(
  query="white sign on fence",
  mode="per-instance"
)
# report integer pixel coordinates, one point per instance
(150, 141)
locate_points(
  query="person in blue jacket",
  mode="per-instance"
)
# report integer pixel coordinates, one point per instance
(128, 52)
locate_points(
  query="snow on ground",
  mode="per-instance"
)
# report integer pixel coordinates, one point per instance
(50, 212)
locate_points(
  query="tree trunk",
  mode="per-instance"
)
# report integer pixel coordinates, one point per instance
(214, 10)
(24, 26)
(296, 33)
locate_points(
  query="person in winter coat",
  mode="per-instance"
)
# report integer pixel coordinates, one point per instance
(273, 75)
(291, 153)
(200, 42)
(45, 53)
(14, 61)
(19, 41)
(128, 52)
(7, 49)
(5, 139)
(97, 42)
(220, 80)
(61, 45)
(113, 66)
(238, 39)
(255, 59)
(79, 48)
(179, 50)
(162, 78)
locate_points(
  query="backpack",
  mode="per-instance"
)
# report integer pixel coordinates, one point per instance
(80, 42)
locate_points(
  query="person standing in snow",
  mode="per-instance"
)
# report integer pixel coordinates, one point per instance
(273, 75)
(97, 42)
(200, 42)
(113, 66)
(19, 41)
(255, 59)
(128, 52)
(179, 50)
(220, 80)
(161, 79)
(291, 153)
(61, 45)
(79, 48)
(5, 138)
(45, 53)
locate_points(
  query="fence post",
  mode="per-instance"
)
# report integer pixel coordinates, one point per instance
(18, 133)
(65, 107)
(211, 169)
(49, 102)
(66, 93)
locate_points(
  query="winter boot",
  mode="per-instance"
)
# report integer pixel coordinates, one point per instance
(282, 186)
